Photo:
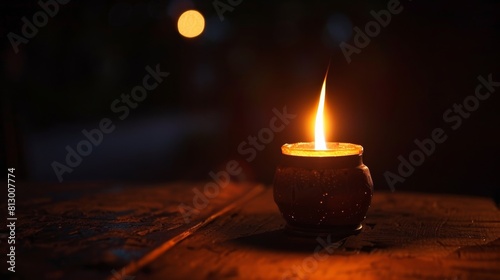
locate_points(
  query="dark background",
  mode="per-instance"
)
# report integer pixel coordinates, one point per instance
(224, 84)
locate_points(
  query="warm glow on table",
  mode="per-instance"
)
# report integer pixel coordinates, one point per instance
(333, 149)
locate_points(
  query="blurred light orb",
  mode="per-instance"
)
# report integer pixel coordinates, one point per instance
(191, 24)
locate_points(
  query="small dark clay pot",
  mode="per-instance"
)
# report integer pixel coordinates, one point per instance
(323, 195)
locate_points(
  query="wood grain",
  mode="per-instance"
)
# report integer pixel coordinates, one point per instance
(405, 236)
(94, 230)
(87, 230)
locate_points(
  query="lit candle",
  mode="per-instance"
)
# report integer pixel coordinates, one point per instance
(323, 187)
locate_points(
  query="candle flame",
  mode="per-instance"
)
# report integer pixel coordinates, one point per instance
(319, 131)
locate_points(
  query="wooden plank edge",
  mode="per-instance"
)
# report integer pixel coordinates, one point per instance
(135, 266)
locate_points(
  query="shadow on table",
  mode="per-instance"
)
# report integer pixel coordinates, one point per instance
(282, 240)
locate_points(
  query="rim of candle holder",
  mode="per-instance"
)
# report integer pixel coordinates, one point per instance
(333, 149)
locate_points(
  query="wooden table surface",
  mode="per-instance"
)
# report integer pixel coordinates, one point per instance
(125, 232)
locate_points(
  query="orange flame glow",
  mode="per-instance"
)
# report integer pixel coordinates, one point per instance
(319, 129)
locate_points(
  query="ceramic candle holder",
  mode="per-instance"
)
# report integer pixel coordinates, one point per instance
(323, 192)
